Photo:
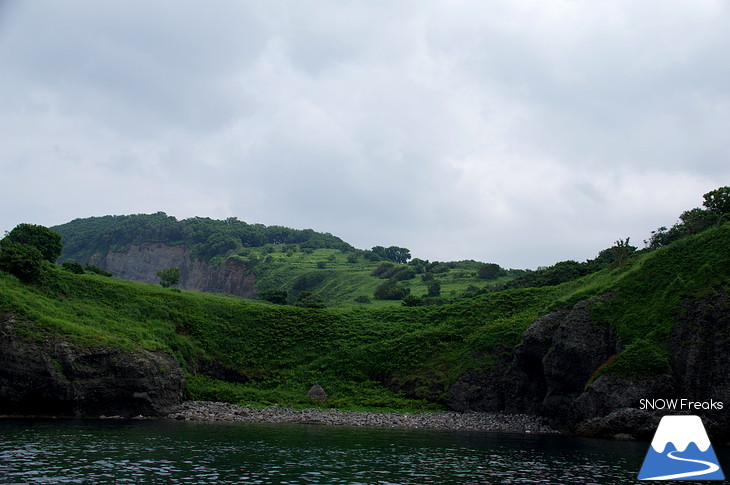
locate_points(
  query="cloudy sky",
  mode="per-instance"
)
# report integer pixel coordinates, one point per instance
(521, 132)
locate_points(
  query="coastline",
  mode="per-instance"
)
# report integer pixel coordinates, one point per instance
(209, 411)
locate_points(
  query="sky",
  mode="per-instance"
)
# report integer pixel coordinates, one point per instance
(520, 132)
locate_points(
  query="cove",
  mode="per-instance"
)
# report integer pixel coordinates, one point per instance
(71, 451)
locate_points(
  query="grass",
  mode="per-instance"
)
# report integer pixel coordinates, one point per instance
(281, 350)
(341, 276)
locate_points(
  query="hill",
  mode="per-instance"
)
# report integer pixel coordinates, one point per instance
(582, 353)
(274, 262)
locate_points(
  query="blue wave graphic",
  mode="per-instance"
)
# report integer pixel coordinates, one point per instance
(690, 464)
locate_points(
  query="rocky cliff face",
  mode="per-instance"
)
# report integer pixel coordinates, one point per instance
(59, 378)
(141, 263)
(550, 373)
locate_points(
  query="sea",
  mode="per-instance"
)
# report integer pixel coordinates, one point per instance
(111, 451)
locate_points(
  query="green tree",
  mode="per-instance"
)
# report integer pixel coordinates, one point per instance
(47, 242)
(434, 288)
(718, 200)
(21, 260)
(169, 277)
(391, 290)
(489, 271)
(393, 253)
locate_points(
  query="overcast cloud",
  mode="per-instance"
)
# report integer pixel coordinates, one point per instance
(520, 132)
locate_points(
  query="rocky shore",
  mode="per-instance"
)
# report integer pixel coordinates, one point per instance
(495, 422)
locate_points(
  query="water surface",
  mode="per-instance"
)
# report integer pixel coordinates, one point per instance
(58, 451)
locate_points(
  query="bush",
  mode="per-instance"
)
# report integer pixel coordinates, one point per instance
(92, 268)
(391, 290)
(411, 300)
(381, 269)
(47, 242)
(21, 260)
(279, 297)
(307, 299)
(434, 288)
(72, 267)
(169, 277)
(490, 271)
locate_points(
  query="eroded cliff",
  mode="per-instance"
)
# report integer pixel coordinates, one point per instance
(142, 261)
(55, 377)
(557, 372)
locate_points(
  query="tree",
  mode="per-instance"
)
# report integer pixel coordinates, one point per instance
(489, 271)
(434, 288)
(393, 253)
(47, 242)
(391, 290)
(718, 200)
(21, 260)
(169, 277)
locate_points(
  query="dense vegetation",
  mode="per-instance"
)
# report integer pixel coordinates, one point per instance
(288, 262)
(275, 352)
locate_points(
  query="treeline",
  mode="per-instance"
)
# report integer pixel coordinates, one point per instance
(206, 238)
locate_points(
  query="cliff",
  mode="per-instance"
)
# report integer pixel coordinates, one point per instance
(55, 377)
(142, 261)
(562, 370)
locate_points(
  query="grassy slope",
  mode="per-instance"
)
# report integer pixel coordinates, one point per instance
(284, 349)
(341, 281)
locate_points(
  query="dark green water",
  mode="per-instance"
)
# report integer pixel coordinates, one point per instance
(194, 453)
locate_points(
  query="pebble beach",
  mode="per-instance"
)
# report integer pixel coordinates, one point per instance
(452, 421)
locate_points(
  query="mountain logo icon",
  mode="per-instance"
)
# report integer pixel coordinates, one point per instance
(681, 450)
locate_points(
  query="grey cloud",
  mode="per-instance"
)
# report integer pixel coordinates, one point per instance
(516, 132)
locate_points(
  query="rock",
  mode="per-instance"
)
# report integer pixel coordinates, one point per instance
(481, 390)
(551, 373)
(494, 422)
(625, 423)
(141, 263)
(61, 378)
(317, 393)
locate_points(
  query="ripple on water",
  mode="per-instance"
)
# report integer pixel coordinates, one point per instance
(196, 453)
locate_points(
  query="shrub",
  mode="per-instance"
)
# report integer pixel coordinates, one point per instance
(47, 242)
(391, 290)
(169, 277)
(97, 270)
(72, 267)
(279, 297)
(490, 271)
(307, 299)
(21, 260)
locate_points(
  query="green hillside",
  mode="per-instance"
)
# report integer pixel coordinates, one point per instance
(279, 351)
(252, 351)
(284, 259)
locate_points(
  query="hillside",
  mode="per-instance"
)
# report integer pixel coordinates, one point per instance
(256, 261)
(579, 344)
(655, 325)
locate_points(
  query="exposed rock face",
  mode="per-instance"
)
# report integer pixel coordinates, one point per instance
(549, 373)
(143, 261)
(63, 379)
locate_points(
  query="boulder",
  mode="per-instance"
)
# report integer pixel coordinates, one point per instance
(317, 393)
